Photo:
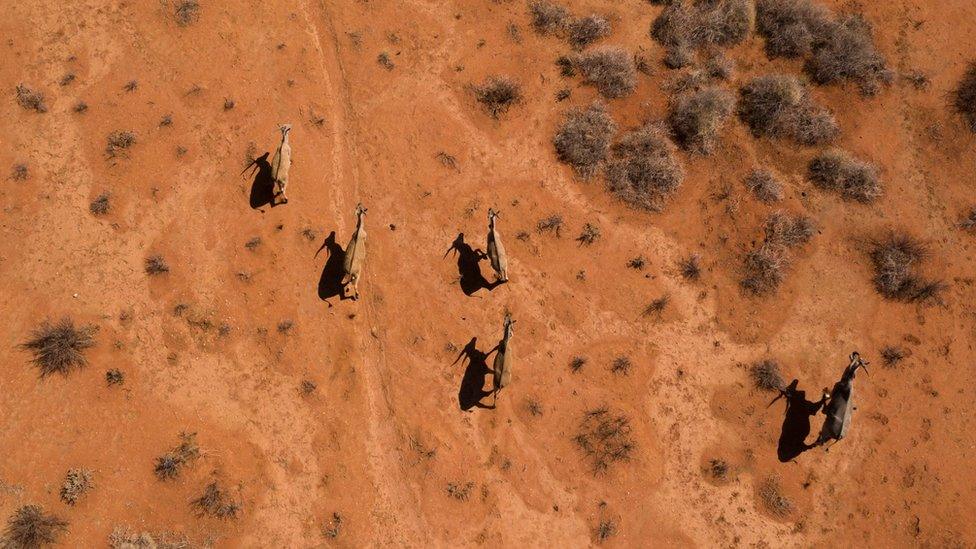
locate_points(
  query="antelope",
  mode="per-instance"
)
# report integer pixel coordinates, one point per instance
(840, 406)
(496, 252)
(280, 165)
(503, 359)
(355, 254)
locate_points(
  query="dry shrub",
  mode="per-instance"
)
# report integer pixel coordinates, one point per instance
(30, 99)
(187, 12)
(764, 186)
(836, 49)
(788, 230)
(969, 220)
(697, 117)
(497, 95)
(780, 106)
(548, 18)
(606, 529)
(766, 375)
(125, 538)
(216, 502)
(656, 307)
(584, 31)
(59, 348)
(114, 377)
(964, 96)
(621, 365)
(76, 483)
(169, 465)
(773, 499)
(763, 269)
(118, 142)
(609, 69)
(687, 24)
(577, 363)
(20, 172)
(605, 439)
(552, 224)
(892, 355)
(589, 234)
(895, 259)
(643, 170)
(332, 527)
(839, 172)
(583, 140)
(31, 527)
(460, 492)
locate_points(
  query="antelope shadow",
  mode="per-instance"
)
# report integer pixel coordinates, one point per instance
(796, 423)
(472, 390)
(262, 188)
(469, 268)
(330, 283)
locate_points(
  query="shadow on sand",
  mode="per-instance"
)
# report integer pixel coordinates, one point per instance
(330, 283)
(796, 423)
(262, 189)
(469, 270)
(472, 390)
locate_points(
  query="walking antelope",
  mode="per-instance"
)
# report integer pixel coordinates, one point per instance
(355, 253)
(840, 407)
(280, 165)
(504, 358)
(496, 251)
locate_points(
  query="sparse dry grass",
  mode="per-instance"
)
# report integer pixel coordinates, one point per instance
(577, 363)
(766, 375)
(895, 259)
(552, 224)
(30, 527)
(609, 69)
(497, 95)
(780, 106)
(118, 142)
(114, 377)
(20, 172)
(59, 348)
(969, 220)
(100, 205)
(696, 118)
(549, 18)
(583, 139)
(605, 439)
(643, 170)
(852, 179)
(216, 502)
(621, 365)
(964, 96)
(169, 465)
(187, 12)
(156, 265)
(772, 498)
(656, 307)
(589, 235)
(892, 355)
(692, 25)
(690, 268)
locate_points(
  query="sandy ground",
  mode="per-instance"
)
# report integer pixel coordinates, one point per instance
(383, 435)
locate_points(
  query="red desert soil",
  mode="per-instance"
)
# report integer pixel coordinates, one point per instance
(382, 440)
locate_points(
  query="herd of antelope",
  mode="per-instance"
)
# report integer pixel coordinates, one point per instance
(837, 405)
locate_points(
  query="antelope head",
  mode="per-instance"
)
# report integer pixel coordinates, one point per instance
(285, 128)
(360, 210)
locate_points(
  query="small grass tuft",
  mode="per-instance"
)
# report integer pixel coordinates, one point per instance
(20, 172)
(169, 465)
(498, 94)
(772, 498)
(59, 348)
(156, 265)
(114, 377)
(690, 268)
(964, 96)
(101, 205)
(969, 220)
(577, 363)
(460, 492)
(385, 61)
(76, 483)
(656, 308)
(187, 12)
(30, 99)
(638, 263)
(621, 365)
(589, 235)
(891, 356)
(216, 502)
(118, 142)
(333, 526)
(552, 224)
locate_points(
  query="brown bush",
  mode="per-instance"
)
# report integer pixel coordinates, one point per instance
(643, 170)
(764, 186)
(31, 527)
(498, 94)
(586, 30)
(839, 172)
(766, 375)
(548, 18)
(697, 117)
(583, 140)
(788, 230)
(609, 69)
(964, 96)
(59, 348)
(780, 106)
(605, 439)
(696, 24)
(30, 99)
(895, 259)
(763, 269)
